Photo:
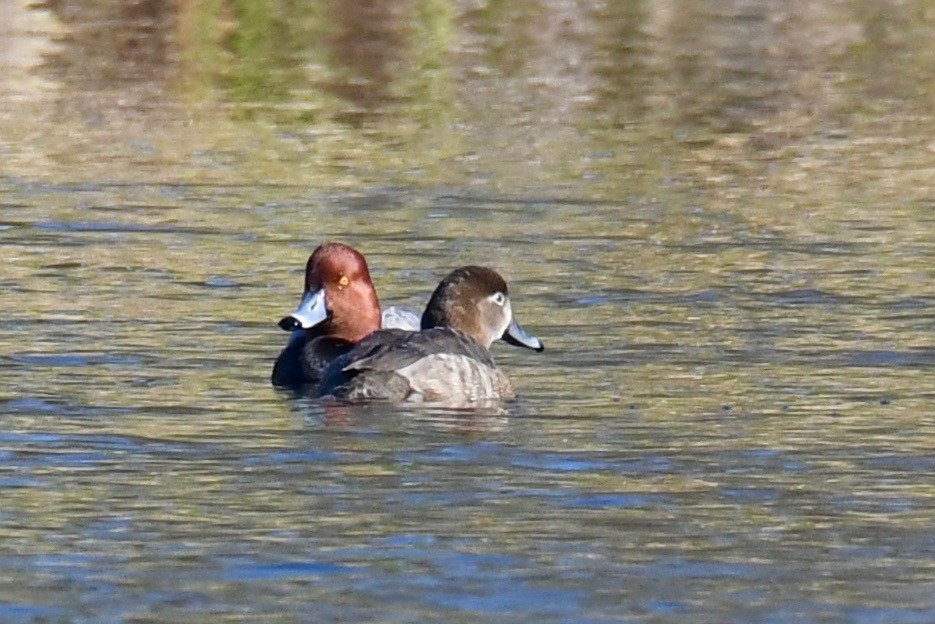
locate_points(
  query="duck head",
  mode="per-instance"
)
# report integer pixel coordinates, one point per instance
(339, 299)
(475, 300)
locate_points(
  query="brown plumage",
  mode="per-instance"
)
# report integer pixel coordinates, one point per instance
(339, 308)
(448, 362)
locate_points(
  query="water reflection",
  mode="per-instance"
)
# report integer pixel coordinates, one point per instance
(368, 50)
(718, 214)
(721, 89)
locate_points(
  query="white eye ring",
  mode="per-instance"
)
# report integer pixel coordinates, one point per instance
(499, 298)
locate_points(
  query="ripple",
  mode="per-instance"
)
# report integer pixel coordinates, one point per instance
(247, 570)
(616, 500)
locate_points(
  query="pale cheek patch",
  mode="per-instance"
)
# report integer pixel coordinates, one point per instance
(507, 317)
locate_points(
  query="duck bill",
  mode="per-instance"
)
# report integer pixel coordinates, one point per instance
(312, 311)
(519, 337)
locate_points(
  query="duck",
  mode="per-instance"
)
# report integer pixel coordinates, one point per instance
(339, 308)
(447, 362)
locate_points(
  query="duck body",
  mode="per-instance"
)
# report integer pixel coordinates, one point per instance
(441, 366)
(309, 353)
(447, 362)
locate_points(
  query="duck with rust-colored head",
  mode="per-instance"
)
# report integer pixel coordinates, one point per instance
(448, 362)
(339, 308)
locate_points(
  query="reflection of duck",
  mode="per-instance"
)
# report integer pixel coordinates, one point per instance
(338, 309)
(447, 362)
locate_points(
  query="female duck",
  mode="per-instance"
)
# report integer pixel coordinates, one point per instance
(447, 363)
(338, 309)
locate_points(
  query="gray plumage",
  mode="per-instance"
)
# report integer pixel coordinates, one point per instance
(440, 366)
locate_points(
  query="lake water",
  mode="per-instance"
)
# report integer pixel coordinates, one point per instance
(719, 216)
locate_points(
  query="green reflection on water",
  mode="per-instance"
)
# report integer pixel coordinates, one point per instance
(735, 100)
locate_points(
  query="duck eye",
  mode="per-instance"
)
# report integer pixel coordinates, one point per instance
(344, 281)
(499, 298)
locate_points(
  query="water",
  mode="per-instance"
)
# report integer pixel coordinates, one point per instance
(719, 217)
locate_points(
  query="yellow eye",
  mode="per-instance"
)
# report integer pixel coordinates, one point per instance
(344, 281)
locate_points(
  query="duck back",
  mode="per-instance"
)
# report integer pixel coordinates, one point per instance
(441, 366)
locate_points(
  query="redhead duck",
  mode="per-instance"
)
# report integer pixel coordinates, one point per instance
(339, 307)
(448, 362)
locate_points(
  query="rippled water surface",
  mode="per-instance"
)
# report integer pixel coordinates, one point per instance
(719, 216)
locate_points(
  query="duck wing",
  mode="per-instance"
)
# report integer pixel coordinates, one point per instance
(404, 348)
(398, 365)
